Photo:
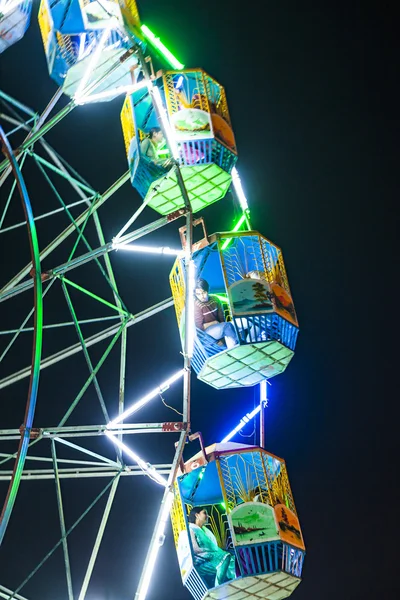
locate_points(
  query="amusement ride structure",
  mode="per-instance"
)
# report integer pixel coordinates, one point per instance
(97, 51)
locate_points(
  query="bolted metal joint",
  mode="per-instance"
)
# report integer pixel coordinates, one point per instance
(34, 432)
(176, 214)
(174, 426)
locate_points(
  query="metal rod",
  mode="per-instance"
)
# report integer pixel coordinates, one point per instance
(10, 290)
(94, 296)
(11, 342)
(63, 173)
(86, 451)
(59, 460)
(85, 352)
(37, 341)
(92, 375)
(3, 216)
(31, 139)
(5, 593)
(18, 104)
(55, 325)
(130, 430)
(54, 548)
(158, 529)
(40, 217)
(99, 538)
(99, 201)
(90, 341)
(62, 522)
(83, 473)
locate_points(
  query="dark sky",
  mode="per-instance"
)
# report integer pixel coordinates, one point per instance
(311, 91)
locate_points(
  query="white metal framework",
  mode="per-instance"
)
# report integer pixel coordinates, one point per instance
(70, 277)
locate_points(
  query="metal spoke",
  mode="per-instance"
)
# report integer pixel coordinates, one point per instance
(90, 341)
(62, 521)
(99, 538)
(85, 352)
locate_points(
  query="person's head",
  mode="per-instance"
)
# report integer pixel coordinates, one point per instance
(156, 135)
(201, 290)
(198, 515)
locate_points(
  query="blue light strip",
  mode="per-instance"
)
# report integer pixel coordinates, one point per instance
(247, 417)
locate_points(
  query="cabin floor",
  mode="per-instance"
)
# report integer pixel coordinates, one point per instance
(271, 586)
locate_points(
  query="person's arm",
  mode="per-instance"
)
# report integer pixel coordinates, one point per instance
(197, 549)
(146, 149)
(198, 316)
(220, 314)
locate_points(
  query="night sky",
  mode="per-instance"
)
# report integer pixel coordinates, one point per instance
(311, 92)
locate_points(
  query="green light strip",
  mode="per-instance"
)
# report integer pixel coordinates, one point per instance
(81, 289)
(221, 297)
(157, 43)
(236, 228)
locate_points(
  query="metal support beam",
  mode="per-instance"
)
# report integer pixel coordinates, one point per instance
(10, 290)
(62, 522)
(99, 201)
(157, 538)
(34, 370)
(83, 472)
(86, 451)
(99, 538)
(90, 341)
(95, 430)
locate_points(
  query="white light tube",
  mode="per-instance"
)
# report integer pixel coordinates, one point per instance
(146, 467)
(242, 423)
(91, 65)
(263, 391)
(237, 184)
(122, 89)
(165, 122)
(160, 534)
(81, 46)
(135, 407)
(145, 249)
(190, 327)
(179, 82)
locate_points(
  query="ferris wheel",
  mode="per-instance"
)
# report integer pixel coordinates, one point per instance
(234, 521)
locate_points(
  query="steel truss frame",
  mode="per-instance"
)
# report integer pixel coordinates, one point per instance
(57, 467)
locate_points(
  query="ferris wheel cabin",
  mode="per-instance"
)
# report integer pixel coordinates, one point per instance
(252, 525)
(247, 275)
(198, 118)
(14, 21)
(88, 45)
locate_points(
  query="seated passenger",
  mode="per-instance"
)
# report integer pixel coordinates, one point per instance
(150, 145)
(209, 316)
(215, 565)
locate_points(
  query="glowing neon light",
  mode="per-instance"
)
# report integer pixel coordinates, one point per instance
(160, 536)
(165, 122)
(146, 467)
(122, 89)
(190, 327)
(147, 249)
(263, 391)
(221, 297)
(81, 46)
(236, 228)
(157, 43)
(237, 184)
(242, 423)
(135, 407)
(92, 63)
(178, 84)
